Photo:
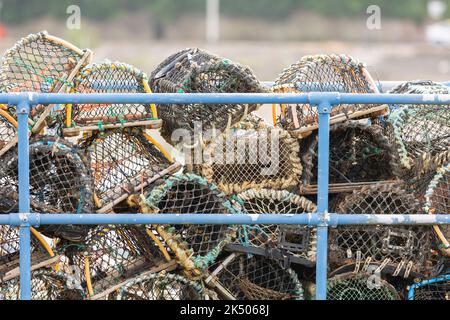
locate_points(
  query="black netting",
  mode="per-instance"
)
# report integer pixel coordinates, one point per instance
(60, 182)
(198, 71)
(324, 73)
(406, 247)
(358, 153)
(433, 289)
(191, 194)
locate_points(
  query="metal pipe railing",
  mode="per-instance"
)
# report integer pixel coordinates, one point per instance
(322, 219)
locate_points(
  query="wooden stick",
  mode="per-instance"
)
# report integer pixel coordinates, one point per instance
(169, 170)
(377, 111)
(106, 119)
(14, 273)
(346, 187)
(148, 124)
(169, 266)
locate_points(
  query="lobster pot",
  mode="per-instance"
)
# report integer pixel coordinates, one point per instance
(110, 256)
(404, 247)
(109, 77)
(198, 71)
(41, 63)
(419, 129)
(123, 161)
(197, 246)
(46, 284)
(432, 289)
(324, 73)
(359, 153)
(8, 127)
(161, 286)
(294, 240)
(260, 157)
(437, 201)
(360, 286)
(242, 277)
(60, 182)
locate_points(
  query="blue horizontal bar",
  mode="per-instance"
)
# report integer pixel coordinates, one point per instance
(333, 219)
(221, 98)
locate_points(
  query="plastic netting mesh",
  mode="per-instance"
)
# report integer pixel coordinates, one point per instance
(121, 161)
(437, 201)
(433, 289)
(161, 286)
(39, 63)
(293, 239)
(255, 157)
(109, 256)
(198, 71)
(323, 73)
(191, 194)
(358, 153)
(360, 286)
(255, 278)
(46, 284)
(418, 129)
(109, 77)
(60, 182)
(406, 247)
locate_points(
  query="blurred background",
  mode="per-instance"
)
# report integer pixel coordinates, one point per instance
(398, 39)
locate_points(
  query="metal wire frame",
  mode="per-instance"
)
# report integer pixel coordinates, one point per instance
(322, 220)
(434, 289)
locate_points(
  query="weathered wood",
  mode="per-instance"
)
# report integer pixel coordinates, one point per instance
(36, 263)
(345, 187)
(148, 124)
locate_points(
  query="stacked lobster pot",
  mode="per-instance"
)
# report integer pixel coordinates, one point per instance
(108, 158)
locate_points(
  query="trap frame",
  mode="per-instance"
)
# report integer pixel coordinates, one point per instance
(40, 63)
(406, 247)
(194, 70)
(296, 244)
(195, 246)
(431, 289)
(109, 77)
(123, 162)
(251, 277)
(60, 181)
(323, 73)
(360, 155)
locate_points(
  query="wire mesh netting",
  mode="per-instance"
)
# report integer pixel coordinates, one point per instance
(360, 286)
(359, 152)
(419, 129)
(109, 77)
(8, 127)
(324, 73)
(252, 157)
(60, 182)
(161, 286)
(195, 245)
(39, 63)
(432, 289)
(194, 71)
(291, 240)
(46, 284)
(406, 247)
(109, 256)
(122, 161)
(438, 202)
(244, 277)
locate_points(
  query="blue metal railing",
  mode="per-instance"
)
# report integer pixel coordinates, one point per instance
(322, 219)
